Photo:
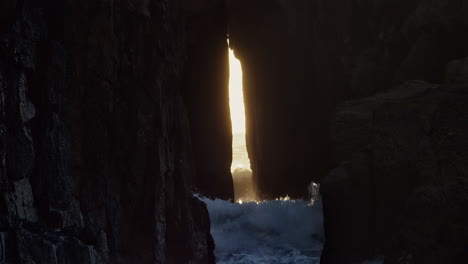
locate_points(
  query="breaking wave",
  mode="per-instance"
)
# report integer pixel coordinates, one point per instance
(270, 232)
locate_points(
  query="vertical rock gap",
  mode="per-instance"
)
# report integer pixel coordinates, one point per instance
(240, 167)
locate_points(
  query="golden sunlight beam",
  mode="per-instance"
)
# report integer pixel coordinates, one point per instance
(240, 167)
(236, 96)
(240, 158)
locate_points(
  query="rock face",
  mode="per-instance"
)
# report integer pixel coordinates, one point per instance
(300, 58)
(206, 95)
(403, 190)
(286, 113)
(401, 180)
(367, 46)
(400, 157)
(95, 145)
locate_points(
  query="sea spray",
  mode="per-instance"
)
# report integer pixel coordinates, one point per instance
(278, 231)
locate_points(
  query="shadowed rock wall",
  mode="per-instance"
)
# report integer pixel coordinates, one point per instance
(95, 145)
(402, 188)
(206, 94)
(301, 59)
(394, 167)
(287, 113)
(367, 46)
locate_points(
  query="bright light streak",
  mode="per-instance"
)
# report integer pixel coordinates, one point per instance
(236, 96)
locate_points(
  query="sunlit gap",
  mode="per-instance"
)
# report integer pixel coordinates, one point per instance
(240, 167)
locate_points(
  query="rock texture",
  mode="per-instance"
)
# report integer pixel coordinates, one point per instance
(300, 58)
(206, 94)
(286, 113)
(403, 190)
(398, 158)
(367, 46)
(95, 159)
(400, 188)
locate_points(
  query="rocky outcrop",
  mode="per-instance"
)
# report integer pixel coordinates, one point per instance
(286, 113)
(395, 169)
(402, 189)
(367, 46)
(303, 58)
(300, 58)
(206, 95)
(95, 144)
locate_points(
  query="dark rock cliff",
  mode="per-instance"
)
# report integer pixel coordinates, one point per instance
(402, 190)
(300, 58)
(95, 144)
(401, 187)
(367, 46)
(206, 95)
(403, 160)
(286, 113)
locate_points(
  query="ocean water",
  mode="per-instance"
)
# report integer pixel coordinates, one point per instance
(281, 231)
(240, 158)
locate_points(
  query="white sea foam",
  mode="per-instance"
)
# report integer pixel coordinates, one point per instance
(270, 232)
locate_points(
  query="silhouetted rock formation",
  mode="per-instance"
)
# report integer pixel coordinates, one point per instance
(403, 191)
(95, 146)
(207, 98)
(286, 111)
(96, 157)
(398, 170)
(301, 58)
(366, 46)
